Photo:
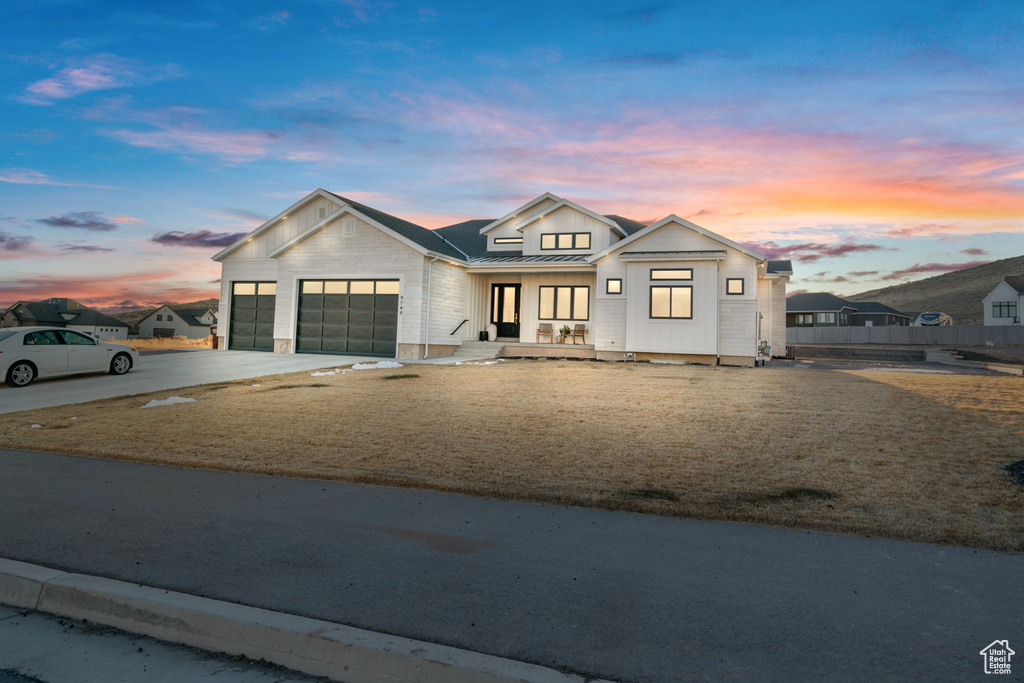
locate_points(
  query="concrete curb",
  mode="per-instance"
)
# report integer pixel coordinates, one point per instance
(311, 646)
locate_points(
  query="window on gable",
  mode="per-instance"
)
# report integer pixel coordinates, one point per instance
(565, 240)
(564, 303)
(734, 285)
(170, 318)
(613, 285)
(675, 302)
(508, 240)
(159, 317)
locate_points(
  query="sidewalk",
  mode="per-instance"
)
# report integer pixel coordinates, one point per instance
(609, 595)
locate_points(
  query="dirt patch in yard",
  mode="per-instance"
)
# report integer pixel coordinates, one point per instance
(905, 456)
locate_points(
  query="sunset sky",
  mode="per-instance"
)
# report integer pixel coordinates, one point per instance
(871, 142)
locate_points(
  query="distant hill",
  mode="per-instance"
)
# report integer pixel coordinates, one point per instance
(133, 317)
(958, 293)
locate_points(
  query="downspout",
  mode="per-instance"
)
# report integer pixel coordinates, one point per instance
(718, 311)
(757, 316)
(426, 325)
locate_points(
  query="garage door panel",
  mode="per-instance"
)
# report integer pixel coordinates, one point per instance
(385, 332)
(361, 346)
(361, 302)
(335, 345)
(361, 317)
(243, 329)
(240, 302)
(356, 324)
(245, 315)
(263, 343)
(310, 315)
(336, 317)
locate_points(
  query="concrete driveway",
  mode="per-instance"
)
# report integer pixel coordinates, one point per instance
(165, 371)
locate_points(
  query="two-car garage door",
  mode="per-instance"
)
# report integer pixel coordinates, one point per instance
(348, 317)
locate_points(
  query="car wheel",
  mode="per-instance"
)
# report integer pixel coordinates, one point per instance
(120, 364)
(20, 374)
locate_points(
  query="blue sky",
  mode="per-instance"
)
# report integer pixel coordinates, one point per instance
(872, 143)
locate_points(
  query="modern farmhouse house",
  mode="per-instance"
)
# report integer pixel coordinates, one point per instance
(1004, 304)
(331, 275)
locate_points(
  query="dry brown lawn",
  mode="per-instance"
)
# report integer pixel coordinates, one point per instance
(167, 343)
(905, 456)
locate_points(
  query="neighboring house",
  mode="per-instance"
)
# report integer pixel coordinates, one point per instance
(63, 312)
(331, 275)
(932, 319)
(818, 309)
(821, 309)
(1003, 305)
(193, 323)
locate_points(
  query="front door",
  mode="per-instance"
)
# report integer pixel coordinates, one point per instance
(505, 309)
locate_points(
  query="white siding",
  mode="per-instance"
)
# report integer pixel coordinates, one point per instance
(694, 336)
(449, 292)
(610, 325)
(177, 323)
(737, 328)
(566, 219)
(366, 253)
(1002, 292)
(778, 313)
(294, 225)
(529, 316)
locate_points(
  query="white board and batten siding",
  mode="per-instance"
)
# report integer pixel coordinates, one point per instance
(288, 229)
(510, 228)
(478, 307)
(529, 315)
(449, 296)
(566, 220)
(696, 335)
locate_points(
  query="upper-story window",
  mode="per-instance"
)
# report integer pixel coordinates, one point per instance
(565, 240)
(508, 240)
(671, 273)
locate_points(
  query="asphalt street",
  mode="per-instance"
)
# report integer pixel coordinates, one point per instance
(625, 596)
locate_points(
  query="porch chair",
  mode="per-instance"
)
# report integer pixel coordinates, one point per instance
(545, 329)
(579, 331)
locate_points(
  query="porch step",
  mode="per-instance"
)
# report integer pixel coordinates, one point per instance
(478, 349)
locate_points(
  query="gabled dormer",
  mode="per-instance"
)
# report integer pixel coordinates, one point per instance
(552, 226)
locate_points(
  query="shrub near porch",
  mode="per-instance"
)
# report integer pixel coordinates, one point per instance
(880, 453)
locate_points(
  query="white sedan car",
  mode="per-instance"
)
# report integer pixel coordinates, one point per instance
(30, 352)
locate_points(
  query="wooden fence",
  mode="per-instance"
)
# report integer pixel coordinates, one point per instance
(948, 335)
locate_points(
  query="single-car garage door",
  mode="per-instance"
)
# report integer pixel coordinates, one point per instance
(252, 316)
(348, 317)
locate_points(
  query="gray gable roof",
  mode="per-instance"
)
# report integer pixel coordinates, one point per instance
(780, 267)
(816, 301)
(428, 239)
(192, 315)
(49, 313)
(466, 236)
(1015, 281)
(627, 224)
(864, 307)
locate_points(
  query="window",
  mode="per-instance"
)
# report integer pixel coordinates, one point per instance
(826, 318)
(1004, 309)
(804, 320)
(244, 289)
(672, 302)
(613, 285)
(671, 273)
(350, 286)
(564, 303)
(508, 240)
(76, 339)
(47, 337)
(159, 317)
(565, 240)
(170, 318)
(844, 318)
(734, 285)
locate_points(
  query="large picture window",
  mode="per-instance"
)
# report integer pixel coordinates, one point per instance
(672, 302)
(565, 240)
(564, 303)
(1004, 309)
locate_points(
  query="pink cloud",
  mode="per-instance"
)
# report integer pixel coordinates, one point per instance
(809, 252)
(98, 72)
(27, 176)
(232, 146)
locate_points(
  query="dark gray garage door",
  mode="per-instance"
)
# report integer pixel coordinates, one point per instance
(252, 316)
(348, 317)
